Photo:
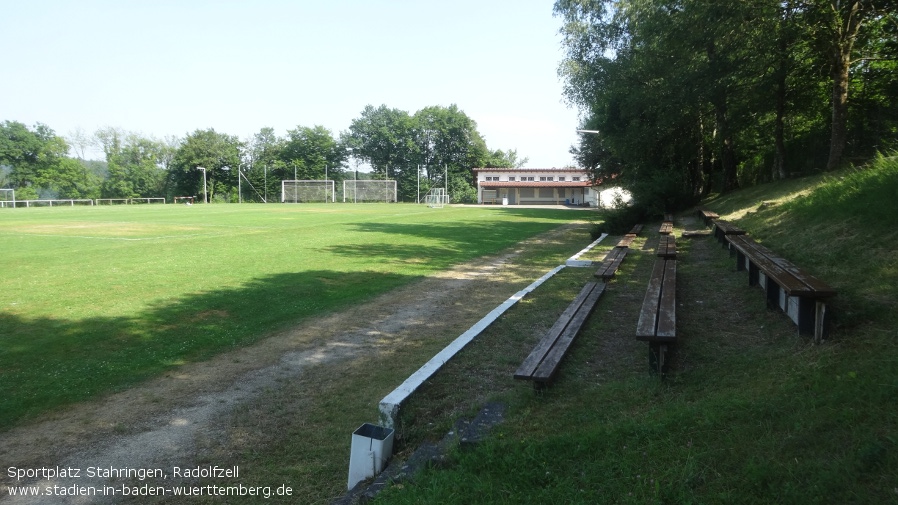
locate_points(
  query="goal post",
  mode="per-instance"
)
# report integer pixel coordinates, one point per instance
(307, 191)
(437, 198)
(380, 190)
(7, 197)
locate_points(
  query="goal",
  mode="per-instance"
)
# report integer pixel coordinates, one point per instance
(437, 198)
(307, 191)
(383, 190)
(7, 198)
(186, 199)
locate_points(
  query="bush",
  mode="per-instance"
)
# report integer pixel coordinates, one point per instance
(619, 220)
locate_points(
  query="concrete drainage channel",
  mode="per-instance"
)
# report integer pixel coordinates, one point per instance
(372, 445)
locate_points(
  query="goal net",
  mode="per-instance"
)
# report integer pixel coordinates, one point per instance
(307, 191)
(437, 198)
(7, 197)
(369, 191)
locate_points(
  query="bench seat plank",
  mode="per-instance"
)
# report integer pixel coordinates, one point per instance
(707, 216)
(637, 229)
(657, 318)
(667, 310)
(532, 361)
(542, 361)
(667, 247)
(666, 228)
(723, 229)
(645, 327)
(546, 370)
(793, 280)
(627, 240)
(611, 263)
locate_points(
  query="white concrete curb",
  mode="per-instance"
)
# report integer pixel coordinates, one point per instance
(574, 260)
(389, 406)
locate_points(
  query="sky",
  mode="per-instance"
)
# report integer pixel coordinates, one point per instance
(170, 67)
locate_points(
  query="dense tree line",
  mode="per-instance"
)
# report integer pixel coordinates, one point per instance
(694, 96)
(418, 150)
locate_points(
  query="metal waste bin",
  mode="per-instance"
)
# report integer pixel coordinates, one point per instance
(371, 447)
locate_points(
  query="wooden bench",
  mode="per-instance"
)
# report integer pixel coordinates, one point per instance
(707, 216)
(657, 323)
(608, 268)
(666, 225)
(799, 294)
(667, 247)
(637, 229)
(542, 363)
(722, 229)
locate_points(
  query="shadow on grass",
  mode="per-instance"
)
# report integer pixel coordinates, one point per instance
(458, 239)
(46, 363)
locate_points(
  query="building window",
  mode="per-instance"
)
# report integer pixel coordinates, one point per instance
(491, 178)
(510, 178)
(575, 179)
(527, 178)
(546, 179)
(561, 178)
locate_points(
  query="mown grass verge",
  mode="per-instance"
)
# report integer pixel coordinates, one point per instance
(751, 413)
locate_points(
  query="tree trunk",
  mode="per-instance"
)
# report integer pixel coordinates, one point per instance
(839, 136)
(779, 130)
(840, 55)
(728, 150)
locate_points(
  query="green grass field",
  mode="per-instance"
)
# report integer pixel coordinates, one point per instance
(94, 299)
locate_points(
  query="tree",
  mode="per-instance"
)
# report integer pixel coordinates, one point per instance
(135, 164)
(28, 152)
(837, 27)
(449, 144)
(385, 138)
(312, 152)
(697, 93)
(505, 159)
(37, 159)
(218, 153)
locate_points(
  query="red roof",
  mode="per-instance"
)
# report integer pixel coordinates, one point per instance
(535, 184)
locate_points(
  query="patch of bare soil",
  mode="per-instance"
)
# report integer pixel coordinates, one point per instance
(157, 424)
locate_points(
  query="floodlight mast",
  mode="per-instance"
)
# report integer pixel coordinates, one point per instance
(205, 194)
(355, 183)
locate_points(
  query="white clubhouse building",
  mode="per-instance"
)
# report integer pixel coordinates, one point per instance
(535, 186)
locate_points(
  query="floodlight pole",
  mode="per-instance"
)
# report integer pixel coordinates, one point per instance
(355, 182)
(205, 194)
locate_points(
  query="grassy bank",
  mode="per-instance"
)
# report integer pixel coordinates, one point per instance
(751, 413)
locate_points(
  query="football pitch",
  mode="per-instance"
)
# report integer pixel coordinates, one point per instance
(94, 299)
